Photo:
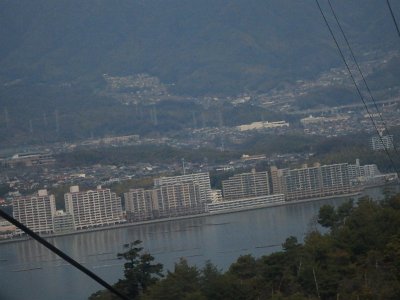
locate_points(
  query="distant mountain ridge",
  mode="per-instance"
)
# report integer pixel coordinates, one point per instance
(68, 68)
(202, 47)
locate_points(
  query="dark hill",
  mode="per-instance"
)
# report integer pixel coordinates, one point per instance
(54, 54)
(208, 46)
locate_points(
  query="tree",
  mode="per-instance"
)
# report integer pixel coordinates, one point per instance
(327, 216)
(139, 270)
(182, 283)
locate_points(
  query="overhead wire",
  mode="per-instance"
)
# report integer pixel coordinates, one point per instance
(61, 254)
(360, 71)
(356, 86)
(393, 17)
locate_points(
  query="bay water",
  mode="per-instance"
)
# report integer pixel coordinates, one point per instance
(30, 271)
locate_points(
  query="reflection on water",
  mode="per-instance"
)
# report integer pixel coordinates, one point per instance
(30, 271)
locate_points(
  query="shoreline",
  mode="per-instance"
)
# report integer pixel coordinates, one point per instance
(222, 212)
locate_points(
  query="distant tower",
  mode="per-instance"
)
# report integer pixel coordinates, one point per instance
(30, 126)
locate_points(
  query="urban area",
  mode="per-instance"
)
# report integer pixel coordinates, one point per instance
(187, 195)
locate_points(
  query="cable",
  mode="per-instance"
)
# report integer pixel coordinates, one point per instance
(61, 254)
(393, 17)
(361, 73)
(356, 86)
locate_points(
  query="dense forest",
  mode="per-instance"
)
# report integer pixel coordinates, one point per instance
(357, 258)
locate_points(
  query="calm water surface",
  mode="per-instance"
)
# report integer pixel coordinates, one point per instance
(30, 271)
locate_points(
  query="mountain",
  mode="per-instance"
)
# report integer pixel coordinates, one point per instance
(208, 46)
(56, 56)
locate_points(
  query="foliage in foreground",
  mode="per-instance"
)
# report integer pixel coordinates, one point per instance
(359, 258)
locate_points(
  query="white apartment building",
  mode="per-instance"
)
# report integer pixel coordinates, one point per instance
(170, 197)
(139, 205)
(246, 185)
(93, 208)
(201, 179)
(382, 142)
(35, 211)
(246, 203)
(311, 182)
(177, 199)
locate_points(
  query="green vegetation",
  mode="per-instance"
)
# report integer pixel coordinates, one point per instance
(203, 47)
(288, 143)
(144, 153)
(122, 187)
(4, 189)
(328, 96)
(140, 273)
(358, 258)
(207, 48)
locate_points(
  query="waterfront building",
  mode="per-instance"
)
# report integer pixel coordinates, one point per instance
(178, 199)
(371, 171)
(201, 179)
(93, 208)
(7, 229)
(171, 197)
(302, 183)
(382, 142)
(216, 196)
(246, 185)
(139, 205)
(35, 211)
(335, 179)
(363, 173)
(311, 182)
(277, 176)
(63, 222)
(247, 203)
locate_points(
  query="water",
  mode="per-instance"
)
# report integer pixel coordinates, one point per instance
(30, 271)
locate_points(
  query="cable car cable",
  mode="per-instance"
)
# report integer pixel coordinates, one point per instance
(61, 254)
(360, 71)
(393, 17)
(356, 86)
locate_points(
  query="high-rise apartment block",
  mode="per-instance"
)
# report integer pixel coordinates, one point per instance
(201, 179)
(311, 182)
(170, 197)
(357, 172)
(181, 198)
(382, 142)
(93, 208)
(35, 211)
(246, 185)
(139, 204)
